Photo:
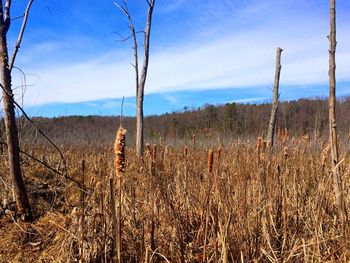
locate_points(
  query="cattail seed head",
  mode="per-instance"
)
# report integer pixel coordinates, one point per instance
(154, 152)
(185, 151)
(119, 150)
(285, 152)
(162, 155)
(259, 144)
(210, 160)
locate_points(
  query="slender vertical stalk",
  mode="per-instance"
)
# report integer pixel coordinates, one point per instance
(119, 149)
(82, 218)
(114, 220)
(208, 201)
(332, 117)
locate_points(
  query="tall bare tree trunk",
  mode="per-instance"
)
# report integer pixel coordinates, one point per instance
(141, 86)
(140, 81)
(338, 189)
(272, 123)
(20, 193)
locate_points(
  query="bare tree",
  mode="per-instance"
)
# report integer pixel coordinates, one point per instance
(6, 65)
(332, 117)
(140, 80)
(272, 122)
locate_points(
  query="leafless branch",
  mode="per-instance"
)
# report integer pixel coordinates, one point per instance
(20, 35)
(17, 17)
(45, 165)
(36, 126)
(125, 10)
(124, 39)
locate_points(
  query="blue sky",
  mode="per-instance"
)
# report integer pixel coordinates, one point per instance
(213, 51)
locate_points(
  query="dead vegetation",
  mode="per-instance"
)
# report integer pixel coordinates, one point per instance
(238, 203)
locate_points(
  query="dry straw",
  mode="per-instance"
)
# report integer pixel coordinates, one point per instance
(210, 160)
(185, 151)
(219, 154)
(285, 152)
(149, 149)
(259, 144)
(154, 152)
(286, 134)
(324, 155)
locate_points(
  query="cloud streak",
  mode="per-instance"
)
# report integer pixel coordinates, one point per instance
(241, 58)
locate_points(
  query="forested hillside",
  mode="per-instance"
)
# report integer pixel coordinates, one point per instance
(208, 123)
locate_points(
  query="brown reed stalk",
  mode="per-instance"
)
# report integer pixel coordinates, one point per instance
(185, 151)
(210, 170)
(279, 133)
(154, 152)
(324, 156)
(149, 149)
(210, 160)
(285, 152)
(219, 154)
(259, 144)
(82, 217)
(119, 150)
(114, 221)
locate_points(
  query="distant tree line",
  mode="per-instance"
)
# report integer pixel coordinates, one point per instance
(228, 121)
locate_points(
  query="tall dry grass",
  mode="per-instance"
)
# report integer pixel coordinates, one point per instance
(275, 208)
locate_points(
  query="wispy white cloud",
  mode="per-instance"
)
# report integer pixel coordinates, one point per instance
(170, 6)
(239, 58)
(171, 99)
(247, 100)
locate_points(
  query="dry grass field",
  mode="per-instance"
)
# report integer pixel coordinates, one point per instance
(179, 205)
